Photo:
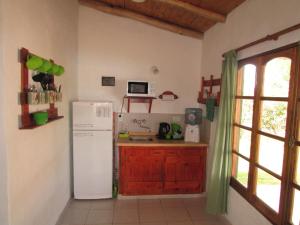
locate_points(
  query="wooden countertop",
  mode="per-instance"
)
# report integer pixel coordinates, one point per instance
(158, 142)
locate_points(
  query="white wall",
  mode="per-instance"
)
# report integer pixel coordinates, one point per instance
(3, 154)
(38, 160)
(126, 49)
(252, 20)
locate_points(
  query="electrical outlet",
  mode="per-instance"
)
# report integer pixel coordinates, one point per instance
(120, 117)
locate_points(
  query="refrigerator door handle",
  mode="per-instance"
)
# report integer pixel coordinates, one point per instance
(84, 125)
(83, 134)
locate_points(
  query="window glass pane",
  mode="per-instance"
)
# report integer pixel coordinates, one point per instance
(242, 140)
(248, 80)
(241, 171)
(296, 208)
(273, 117)
(297, 177)
(244, 110)
(271, 153)
(277, 77)
(268, 189)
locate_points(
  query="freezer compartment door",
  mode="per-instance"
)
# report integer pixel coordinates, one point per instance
(93, 164)
(92, 116)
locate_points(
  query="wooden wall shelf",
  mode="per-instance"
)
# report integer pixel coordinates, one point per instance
(207, 90)
(26, 120)
(33, 126)
(136, 99)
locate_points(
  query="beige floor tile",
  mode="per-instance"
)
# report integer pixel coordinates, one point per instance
(101, 224)
(172, 203)
(80, 204)
(149, 203)
(126, 224)
(195, 202)
(126, 204)
(103, 204)
(71, 224)
(126, 216)
(154, 223)
(181, 223)
(177, 215)
(97, 216)
(223, 220)
(207, 223)
(198, 214)
(75, 216)
(152, 215)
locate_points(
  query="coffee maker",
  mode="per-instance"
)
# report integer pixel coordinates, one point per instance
(164, 129)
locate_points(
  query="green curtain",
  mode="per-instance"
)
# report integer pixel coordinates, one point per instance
(218, 182)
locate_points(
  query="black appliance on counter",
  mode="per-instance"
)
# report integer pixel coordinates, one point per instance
(164, 129)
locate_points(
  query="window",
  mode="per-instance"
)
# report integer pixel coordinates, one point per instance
(266, 135)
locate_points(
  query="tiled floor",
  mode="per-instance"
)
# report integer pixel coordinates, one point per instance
(187, 211)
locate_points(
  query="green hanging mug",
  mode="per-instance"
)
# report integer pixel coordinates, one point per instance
(34, 62)
(47, 65)
(54, 70)
(61, 70)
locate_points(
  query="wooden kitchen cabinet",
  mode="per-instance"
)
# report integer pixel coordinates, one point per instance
(162, 170)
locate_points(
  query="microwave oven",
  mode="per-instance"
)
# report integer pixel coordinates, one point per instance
(140, 88)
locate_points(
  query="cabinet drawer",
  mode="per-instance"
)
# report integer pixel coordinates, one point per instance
(190, 152)
(171, 152)
(183, 187)
(156, 152)
(143, 188)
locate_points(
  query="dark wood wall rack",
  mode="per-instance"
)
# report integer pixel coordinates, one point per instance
(210, 84)
(136, 99)
(27, 121)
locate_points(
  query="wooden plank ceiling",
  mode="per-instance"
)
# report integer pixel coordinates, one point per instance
(187, 17)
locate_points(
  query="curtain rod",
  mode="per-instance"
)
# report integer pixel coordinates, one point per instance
(270, 37)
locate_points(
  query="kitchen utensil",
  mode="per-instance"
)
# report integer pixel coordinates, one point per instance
(123, 135)
(43, 78)
(47, 65)
(60, 71)
(176, 131)
(164, 129)
(54, 70)
(34, 62)
(40, 118)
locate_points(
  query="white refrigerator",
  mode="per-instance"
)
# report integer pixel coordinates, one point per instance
(92, 149)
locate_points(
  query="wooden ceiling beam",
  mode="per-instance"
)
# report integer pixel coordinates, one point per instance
(140, 17)
(211, 15)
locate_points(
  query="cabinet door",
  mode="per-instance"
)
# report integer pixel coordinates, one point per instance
(183, 168)
(185, 171)
(188, 168)
(155, 169)
(171, 168)
(134, 165)
(144, 168)
(142, 171)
